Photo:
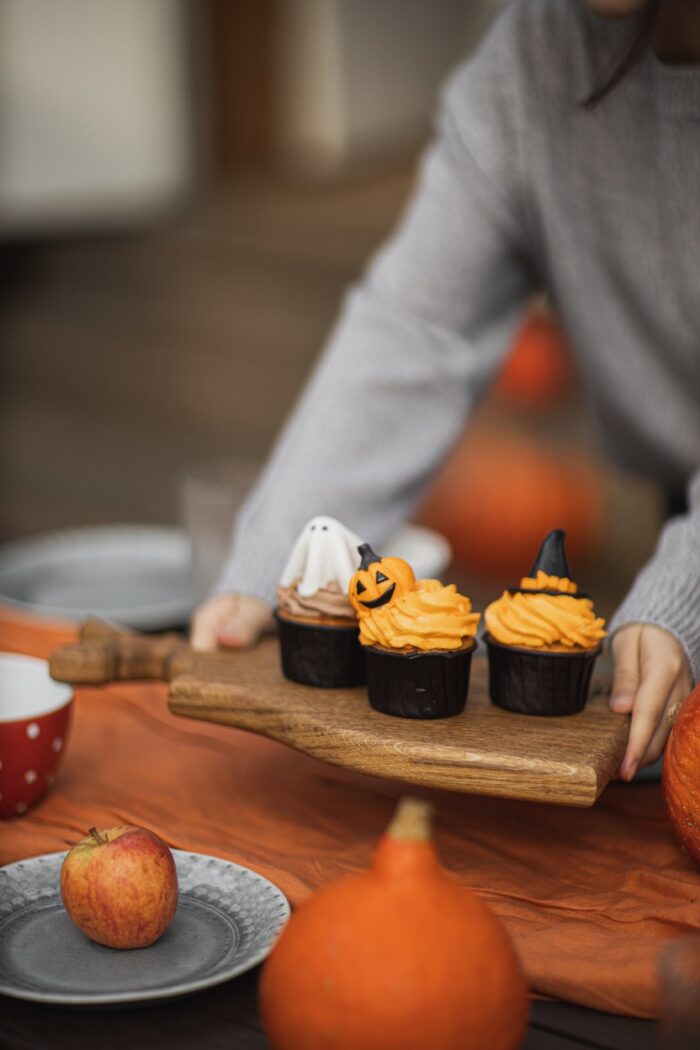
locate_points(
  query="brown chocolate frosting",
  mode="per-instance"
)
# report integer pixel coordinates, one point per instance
(329, 601)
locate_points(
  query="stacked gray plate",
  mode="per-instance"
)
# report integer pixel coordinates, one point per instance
(137, 575)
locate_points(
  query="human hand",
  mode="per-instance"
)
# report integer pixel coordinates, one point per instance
(232, 621)
(651, 677)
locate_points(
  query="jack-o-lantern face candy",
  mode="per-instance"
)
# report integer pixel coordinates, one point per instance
(379, 581)
(396, 611)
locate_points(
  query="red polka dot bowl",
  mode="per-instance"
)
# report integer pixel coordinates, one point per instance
(35, 715)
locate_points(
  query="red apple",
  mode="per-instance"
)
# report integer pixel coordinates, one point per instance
(120, 886)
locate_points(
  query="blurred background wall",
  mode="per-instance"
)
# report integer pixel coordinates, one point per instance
(359, 79)
(186, 188)
(95, 112)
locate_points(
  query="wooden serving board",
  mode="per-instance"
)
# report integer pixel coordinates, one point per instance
(485, 750)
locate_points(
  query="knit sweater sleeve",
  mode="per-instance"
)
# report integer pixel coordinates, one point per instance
(666, 592)
(418, 339)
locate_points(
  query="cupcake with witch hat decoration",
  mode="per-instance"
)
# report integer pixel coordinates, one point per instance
(418, 636)
(317, 624)
(543, 638)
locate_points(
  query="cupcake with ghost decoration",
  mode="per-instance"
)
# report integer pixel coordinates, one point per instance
(543, 638)
(418, 636)
(316, 621)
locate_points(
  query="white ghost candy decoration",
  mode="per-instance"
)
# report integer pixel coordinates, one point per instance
(325, 551)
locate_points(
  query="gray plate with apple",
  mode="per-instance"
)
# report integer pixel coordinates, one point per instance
(227, 920)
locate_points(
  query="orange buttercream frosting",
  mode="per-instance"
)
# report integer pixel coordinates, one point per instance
(543, 582)
(540, 621)
(431, 616)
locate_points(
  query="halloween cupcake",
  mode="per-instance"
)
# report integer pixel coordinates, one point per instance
(418, 636)
(543, 638)
(317, 624)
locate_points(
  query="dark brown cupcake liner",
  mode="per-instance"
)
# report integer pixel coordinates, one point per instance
(324, 655)
(539, 683)
(418, 685)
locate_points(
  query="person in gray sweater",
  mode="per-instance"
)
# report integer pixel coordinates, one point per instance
(567, 158)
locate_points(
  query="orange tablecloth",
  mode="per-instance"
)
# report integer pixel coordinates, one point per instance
(587, 895)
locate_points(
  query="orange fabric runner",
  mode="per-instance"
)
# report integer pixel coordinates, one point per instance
(588, 895)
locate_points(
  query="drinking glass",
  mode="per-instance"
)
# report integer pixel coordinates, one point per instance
(210, 496)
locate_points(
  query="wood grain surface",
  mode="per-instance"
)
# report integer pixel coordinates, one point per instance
(568, 761)
(486, 751)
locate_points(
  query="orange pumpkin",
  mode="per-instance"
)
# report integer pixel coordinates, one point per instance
(681, 775)
(379, 581)
(498, 494)
(539, 370)
(398, 957)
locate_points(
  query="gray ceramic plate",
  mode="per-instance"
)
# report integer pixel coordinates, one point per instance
(226, 922)
(137, 575)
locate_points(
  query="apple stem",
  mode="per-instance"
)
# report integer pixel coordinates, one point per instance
(97, 837)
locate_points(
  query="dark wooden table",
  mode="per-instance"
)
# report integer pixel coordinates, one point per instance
(227, 1016)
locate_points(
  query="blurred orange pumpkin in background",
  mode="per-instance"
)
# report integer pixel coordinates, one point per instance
(539, 371)
(499, 493)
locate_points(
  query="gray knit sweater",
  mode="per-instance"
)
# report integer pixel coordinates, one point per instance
(522, 189)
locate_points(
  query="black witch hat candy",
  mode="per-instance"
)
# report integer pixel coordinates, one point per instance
(551, 557)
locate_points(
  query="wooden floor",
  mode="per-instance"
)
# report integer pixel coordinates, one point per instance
(126, 358)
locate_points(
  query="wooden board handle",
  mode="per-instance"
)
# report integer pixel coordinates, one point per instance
(106, 654)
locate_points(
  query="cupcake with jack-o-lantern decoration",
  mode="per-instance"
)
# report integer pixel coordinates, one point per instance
(317, 624)
(418, 636)
(543, 638)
